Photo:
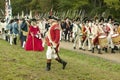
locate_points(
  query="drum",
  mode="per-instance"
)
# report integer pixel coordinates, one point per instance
(103, 40)
(116, 39)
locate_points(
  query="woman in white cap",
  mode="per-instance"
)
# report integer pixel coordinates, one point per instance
(34, 39)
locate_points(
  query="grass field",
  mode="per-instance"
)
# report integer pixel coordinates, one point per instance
(18, 64)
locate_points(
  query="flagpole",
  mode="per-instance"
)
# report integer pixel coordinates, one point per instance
(8, 10)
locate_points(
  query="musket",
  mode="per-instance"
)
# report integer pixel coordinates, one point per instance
(56, 50)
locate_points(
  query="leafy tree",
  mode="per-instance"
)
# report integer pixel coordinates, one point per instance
(2, 4)
(113, 4)
(66, 7)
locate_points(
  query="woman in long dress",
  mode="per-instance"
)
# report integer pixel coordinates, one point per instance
(34, 40)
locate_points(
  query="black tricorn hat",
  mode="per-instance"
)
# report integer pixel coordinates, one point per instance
(109, 17)
(101, 19)
(34, 20)
(116, 23)
(53, 17)
(85, 19)
(78, 19)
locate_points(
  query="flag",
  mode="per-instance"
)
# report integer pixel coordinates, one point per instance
(8, 10)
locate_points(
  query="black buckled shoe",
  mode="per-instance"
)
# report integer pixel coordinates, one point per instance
(48, 67)
(64, 65)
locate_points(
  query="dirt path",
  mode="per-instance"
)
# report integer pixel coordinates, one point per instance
(112, 57)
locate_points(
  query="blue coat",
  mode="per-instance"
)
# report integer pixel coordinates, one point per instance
(9, 27)
(15, 29)
(23, 26)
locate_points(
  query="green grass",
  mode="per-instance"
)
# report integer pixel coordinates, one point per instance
(18, 64)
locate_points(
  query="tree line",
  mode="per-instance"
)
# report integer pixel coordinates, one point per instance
(90, 7)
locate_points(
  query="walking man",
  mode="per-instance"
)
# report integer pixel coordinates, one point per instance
(15, 31)
(53, 41)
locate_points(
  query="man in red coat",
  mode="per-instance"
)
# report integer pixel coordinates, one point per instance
(53, 41)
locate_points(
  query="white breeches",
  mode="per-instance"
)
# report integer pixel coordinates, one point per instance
(11, 39)
(110, 43)
(51, 53)
(77, 41)
(89, 43)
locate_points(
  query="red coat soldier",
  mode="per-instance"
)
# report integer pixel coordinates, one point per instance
(53, 41)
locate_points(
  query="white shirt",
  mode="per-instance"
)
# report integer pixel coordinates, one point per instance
(111, 28)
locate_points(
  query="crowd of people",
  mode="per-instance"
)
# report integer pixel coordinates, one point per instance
(33, 36)
(97, 34)
(88, 34)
